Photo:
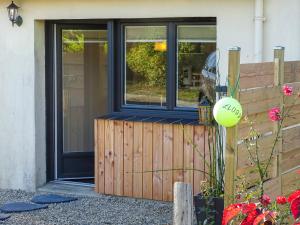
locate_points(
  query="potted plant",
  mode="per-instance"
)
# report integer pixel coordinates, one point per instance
(209, 204)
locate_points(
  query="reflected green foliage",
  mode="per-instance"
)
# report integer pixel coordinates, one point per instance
(148, 64)
(73, 41)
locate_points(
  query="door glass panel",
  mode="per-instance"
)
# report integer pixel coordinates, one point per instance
(84, 81)
(196, 64)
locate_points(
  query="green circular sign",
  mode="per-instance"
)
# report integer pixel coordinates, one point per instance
(228, 112)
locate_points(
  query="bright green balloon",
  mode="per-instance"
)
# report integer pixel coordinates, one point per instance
(228, 112)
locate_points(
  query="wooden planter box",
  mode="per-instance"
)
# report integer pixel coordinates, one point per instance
(144, 159)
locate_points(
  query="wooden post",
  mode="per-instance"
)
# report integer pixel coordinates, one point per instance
(183, 204)
(231, 133)
(278, 81)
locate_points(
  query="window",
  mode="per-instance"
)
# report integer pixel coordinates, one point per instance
(146, 64)
(195, 45)
(167, 65)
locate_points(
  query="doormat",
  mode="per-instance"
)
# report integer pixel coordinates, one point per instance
(50, 199)
(16, 207)
(4, 217)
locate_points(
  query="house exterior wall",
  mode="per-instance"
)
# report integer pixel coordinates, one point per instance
(22, 73)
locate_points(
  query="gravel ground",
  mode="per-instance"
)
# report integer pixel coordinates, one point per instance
(90, 211)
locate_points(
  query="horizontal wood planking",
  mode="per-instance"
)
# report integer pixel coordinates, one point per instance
(290, 159)
(143, 160)
(265, 147)
(256, 75)
(292, 71)
(291, 139)
(258, 94)
(272, 188)
(290, 181)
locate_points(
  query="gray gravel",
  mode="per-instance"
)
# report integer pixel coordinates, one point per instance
(106, 210)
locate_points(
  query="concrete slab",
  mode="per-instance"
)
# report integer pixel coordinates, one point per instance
(73, 188)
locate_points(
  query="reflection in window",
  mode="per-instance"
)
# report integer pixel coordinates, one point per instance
(146, 65)
(84, 74)
(196, 64)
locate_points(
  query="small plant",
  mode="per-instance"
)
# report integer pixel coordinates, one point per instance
(260, 211)
(213, 185)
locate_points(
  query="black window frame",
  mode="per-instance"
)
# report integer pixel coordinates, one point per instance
(170, 110)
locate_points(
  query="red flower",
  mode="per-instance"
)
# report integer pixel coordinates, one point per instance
(231, 212)
(294, 195)
(250, 218)
(274, 114)
(265, 200)
(267, 216)
(287, 90)
(298, 171)
(248, 208)
(295, 208)
(281, 200)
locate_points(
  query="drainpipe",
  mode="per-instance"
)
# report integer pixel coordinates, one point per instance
(259, 30)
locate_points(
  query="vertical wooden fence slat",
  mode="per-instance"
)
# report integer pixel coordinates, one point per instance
(118, 157)
(278, 81)
(96, 159)
(128, 158)
(157, 161)
(206, 154)
(178, 155)
(231, 133)
(138, 160)
(188, 154)
(109, 157)
(147, 160)
(167, 162)
(101, 156)
(199, 145)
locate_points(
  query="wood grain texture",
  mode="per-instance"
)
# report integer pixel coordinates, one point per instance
(143, 160)
(118, 158)
(157, 161)
(199, 145)
(147, 160)
(138, 160)
(128, 158)
(183, 204)
(97, 151)
(109, 157)
(100, 157)
(167, 162)
(188, 154)
(178, 152)
(231, 133)
(256, 103)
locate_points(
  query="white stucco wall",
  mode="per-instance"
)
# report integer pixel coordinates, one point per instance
(22, 114)
(282, 27)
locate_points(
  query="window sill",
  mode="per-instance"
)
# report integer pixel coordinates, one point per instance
(165, 117)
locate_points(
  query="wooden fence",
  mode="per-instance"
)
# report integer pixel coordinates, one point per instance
(260, 90)
(145, 159)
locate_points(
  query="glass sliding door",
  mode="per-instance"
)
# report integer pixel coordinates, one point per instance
(82, 96)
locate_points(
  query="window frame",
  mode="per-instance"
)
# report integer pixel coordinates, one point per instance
(170, 110)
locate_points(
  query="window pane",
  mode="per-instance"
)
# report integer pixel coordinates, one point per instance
(146, 65)
(196, 64)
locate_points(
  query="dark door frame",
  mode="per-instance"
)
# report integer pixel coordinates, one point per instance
(54, 117)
